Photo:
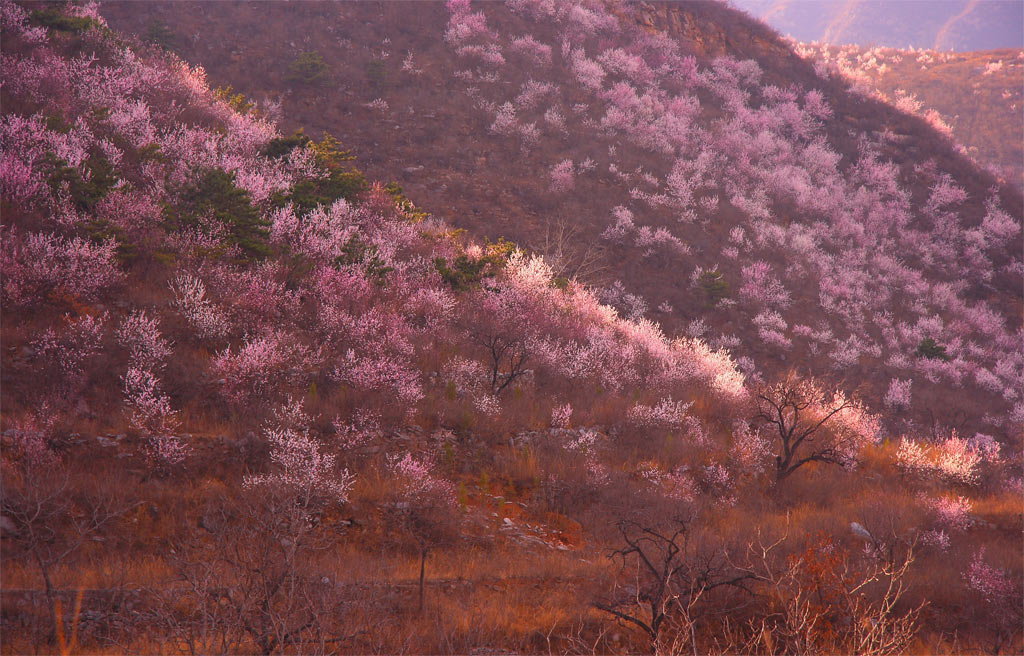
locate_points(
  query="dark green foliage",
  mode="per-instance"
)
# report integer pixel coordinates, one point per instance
(83, 193)
(342, 181)
(101, 230)
(159, 33)
(466, 272)
(57, 123)
(357, 252)
(714, 287)
(54, 19)
(395, 191)
(211, 193)
(403, 203)
(929, 349)
(281, 147)
(307, 194)
(151, 152)
(235, 101)
(330, 154)
(308, 68)
(376, 74)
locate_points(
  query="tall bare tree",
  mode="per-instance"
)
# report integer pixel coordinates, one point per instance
(812, 425)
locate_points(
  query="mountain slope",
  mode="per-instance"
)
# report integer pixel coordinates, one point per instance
(253, 402)
(976, 96)
(695, 148)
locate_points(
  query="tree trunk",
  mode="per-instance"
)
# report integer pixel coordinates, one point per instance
(51, 637)
(423, 569)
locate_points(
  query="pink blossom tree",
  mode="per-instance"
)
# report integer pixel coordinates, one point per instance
(811, 425)
(261, 366)
(425, 506)
(562, 176)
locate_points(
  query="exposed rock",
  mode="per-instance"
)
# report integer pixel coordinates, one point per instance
(7, 525)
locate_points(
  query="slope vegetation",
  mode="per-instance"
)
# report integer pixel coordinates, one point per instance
(666, 145)
(255, 402)
(974, 96)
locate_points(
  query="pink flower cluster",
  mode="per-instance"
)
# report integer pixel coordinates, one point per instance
(750, 452)
(532, 49)
(953, 459)
(763, 289)
(150, 408)
(364, 425)
(951, 512)
(561, 416)
(990, 582)
(667, 415)
(63, 356)
(261, 366)
(38, 264)
(898, 395)
(562, 176)
(140, 334)
(190, 298)
(303, 468)
(418, 482)
(166, 452)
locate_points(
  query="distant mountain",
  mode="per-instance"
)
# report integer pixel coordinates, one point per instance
(975, 96)
(940, 24)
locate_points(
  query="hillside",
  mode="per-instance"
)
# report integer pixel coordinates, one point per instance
(702, 164)
(959, 25)
(974, 96)
(745, 380)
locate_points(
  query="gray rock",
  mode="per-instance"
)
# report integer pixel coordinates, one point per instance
(7, 525)
(860, 531)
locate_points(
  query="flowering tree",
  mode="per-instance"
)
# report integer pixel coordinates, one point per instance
(191, 300)
(953, 460)
(811, 425)
(140, 334)
(303, 469)
(898, 395)
(425, 506)
(38, 264)
(1001, 597)
(62, 358)
(562, 178)
(261, 365)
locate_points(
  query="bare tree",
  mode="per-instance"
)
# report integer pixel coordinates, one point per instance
(565, 250)
(826, 599)
(424, 506)
(812, 425)
(508, 356)
(673, 576)
(250, 579)
(53, 519)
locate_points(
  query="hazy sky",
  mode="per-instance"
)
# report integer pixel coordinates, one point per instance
(942, 24)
